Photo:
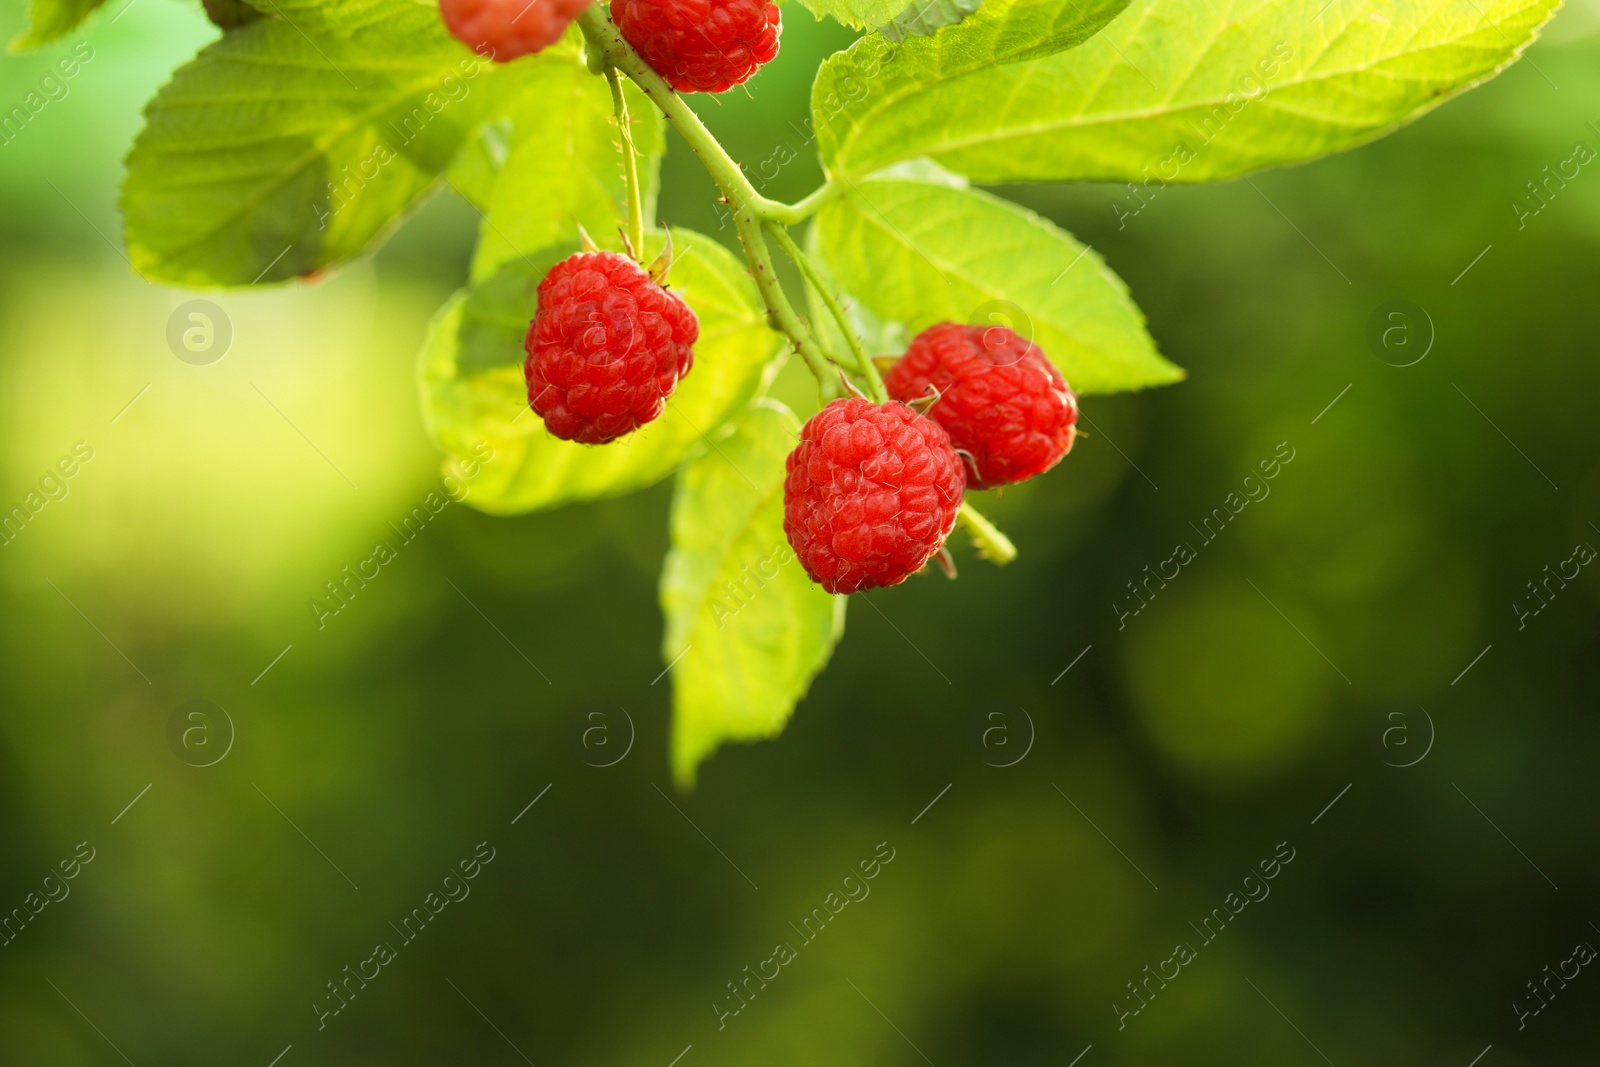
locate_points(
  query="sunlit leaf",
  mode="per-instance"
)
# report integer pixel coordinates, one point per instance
(919, 253)
(747, 629)
(298, 141)
(882, 94)
(561, 165)
(1186, 90)
(857, 14)
(921, 18)
(895, 19)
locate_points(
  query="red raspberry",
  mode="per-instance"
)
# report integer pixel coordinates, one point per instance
(506, 29)
(1004, 404)
(872, 492)
(701, 46)
(606, 348)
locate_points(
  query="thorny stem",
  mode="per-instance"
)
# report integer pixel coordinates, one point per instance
(630, 163)
(750, 209)
(779, 309)
(864, 365)
(992, 544)
(606, 40)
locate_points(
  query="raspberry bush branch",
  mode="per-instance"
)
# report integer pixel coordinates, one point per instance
(603, 36)
(876, 482)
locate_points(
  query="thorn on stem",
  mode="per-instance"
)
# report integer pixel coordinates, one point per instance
(851, 386)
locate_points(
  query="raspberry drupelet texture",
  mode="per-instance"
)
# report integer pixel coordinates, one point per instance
(871, 494)
(506, 29)
(606, 348)
(1004, 404)
(701, 46)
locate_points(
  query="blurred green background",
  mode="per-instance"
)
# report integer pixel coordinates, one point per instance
(1352, 636)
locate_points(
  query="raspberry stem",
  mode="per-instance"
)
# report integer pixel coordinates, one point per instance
(750, 209)
(777, 300)
(605, 39)
(864, 366)
(630, 163)
(992, 544)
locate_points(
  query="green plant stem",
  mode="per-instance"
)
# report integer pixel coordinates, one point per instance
(864, 365)
(807, 206)
(994, 545)
(750, 209)
(606, 41)
(630, 163)
(779, 310)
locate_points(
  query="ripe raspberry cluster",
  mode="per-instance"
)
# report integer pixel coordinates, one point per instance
(873, 490)
(606, 348)
(502, 30)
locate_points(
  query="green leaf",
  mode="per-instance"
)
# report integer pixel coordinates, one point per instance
(920, 253)
(477, 166)
(49, 20)
(494, 319)
(747, 629)
(896, 19)
(229, 14)
(1195, 90)
(474, 392)
(922, 18)
(857, 14)
(298, 141)
(323, 15)
(879, 94)
(563, 164)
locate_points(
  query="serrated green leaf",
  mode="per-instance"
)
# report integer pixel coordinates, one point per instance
(298, 141)
(921, 253)
(857, 14)
(473, 388)
(747, 629)
(1194, 90)
(230, 14)
(563, 165)
(875, 90)
(49, 20)
(895, 19)
(922, 18)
